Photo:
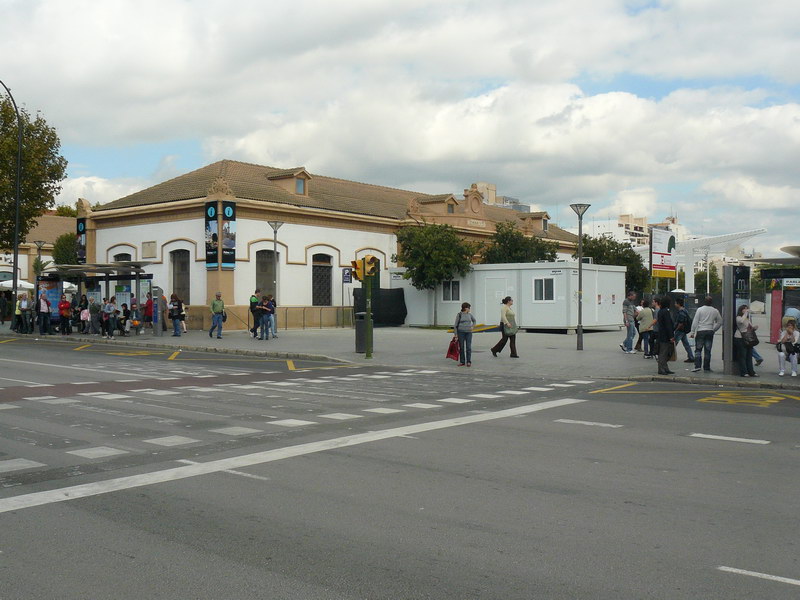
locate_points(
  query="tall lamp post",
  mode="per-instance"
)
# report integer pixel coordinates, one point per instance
(15, 275)
(579, 210)
(275, 226)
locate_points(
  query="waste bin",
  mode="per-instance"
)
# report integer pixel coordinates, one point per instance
(361, 332)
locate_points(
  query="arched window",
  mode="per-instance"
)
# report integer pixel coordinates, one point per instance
(179, 264)
(122, 257)
(265, 271)
(321, 280)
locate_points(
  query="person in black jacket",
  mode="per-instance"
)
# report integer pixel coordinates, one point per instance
(666, 336)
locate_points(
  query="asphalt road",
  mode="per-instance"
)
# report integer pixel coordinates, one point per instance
(204, 476)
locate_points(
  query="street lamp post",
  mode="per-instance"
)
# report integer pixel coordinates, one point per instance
(275, 226)
(17, 194)
(579, 210)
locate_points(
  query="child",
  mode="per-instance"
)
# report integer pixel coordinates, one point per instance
(787, 345)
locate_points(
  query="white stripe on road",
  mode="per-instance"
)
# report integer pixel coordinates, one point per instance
(36, 383)
(586, 423)
(760, 575)
(240, 473)
(249, 460)
(723, 438)
(68, 367)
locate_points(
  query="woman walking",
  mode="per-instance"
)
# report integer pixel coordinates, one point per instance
(743, 352)
(465, 321)
(645, 320)
(508, 327)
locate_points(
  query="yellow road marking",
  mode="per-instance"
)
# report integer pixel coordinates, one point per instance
(7, 341)
(618, 387)
(81, 347)
(174, 354)
(764, 400)
(290, 365)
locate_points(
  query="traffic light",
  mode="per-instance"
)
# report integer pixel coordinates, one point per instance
(372, 264)
(358, 269)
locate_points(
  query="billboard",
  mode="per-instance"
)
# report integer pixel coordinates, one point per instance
(228, 235)
(80, 246)
(662, 253)
(212, 235)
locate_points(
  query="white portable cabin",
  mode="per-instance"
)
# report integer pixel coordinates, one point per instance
(545, 295)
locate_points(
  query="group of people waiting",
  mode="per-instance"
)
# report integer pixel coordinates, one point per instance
(82, 315)
(660, 333)
(263, 309)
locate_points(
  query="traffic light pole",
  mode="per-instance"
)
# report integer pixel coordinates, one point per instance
(368, 316)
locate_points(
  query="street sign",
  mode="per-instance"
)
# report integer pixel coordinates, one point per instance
(347, 275)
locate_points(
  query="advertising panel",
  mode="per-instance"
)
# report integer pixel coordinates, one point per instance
(212, 236)
(80, 247)
(662, 249)
(52, 290)
(228, 235)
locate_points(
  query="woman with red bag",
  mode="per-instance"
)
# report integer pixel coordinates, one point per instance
(465, 321)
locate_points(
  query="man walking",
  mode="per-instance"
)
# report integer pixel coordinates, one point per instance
(666, 337)
(705, 324)
(683, 324)
(217, 309)
(255, 312)
(629, 321)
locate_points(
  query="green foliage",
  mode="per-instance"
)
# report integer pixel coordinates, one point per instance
(64, 249)
(432, 254)
(40, 265)
(606, 251)
(66, 211)
(510, 245)
(43, 169)
(715, 282)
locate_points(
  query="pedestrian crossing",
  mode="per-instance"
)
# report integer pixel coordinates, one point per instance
(103, 425)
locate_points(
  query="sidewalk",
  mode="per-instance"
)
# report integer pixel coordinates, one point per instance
(542, 355)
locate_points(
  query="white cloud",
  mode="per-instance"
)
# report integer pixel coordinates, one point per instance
(97, 189)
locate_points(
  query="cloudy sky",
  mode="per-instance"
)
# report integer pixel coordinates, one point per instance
(685, 107)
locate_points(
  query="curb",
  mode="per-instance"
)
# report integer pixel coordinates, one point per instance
(202, 349)
(747, 383)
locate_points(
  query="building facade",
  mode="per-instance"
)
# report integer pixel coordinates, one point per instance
(323, 224)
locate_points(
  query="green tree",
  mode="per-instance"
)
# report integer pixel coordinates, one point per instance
(66, 211)
(64, 249)
(40, 265)
(605, 251)
(715, 283)
(432, 254)
(43, 169)
(510, 245)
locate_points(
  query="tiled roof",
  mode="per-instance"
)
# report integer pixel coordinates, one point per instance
(50, 227)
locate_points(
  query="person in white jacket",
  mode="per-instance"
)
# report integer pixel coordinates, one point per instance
(787, 347)
(705, 324)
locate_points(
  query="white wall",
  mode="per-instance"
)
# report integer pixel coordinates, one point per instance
(486, 285)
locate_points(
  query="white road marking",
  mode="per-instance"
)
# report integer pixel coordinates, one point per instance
(513, 392)
(586, 423)
(423, 405)
(538, 389)
(235, 430)
(579, 381)
(60, 401)
(160, 392)
(171, 440)
(92, 382)
(291, 423)
(40, 398)
(18, 464)
(380, 411)
(133, 481)
(455, 400)
(240, 473)
(34, 383)
(560, 384)
(760, 575)
(68, 367)
(484, 396)
(723, 438)
(97, 452)
(340, 416)
(7, 406)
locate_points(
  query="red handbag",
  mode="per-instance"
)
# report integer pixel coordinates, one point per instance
(452, 349)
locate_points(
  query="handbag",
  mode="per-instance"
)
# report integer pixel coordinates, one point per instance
(224, 316)
(85, 314)
(452, 349)
(750, 338)
(509, 331)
